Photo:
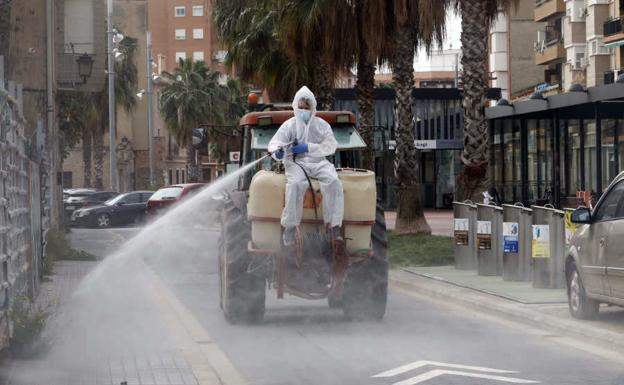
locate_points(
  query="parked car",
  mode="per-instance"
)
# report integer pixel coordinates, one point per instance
(126, 208)
(169, 195)
(86, 199)
(595, 263)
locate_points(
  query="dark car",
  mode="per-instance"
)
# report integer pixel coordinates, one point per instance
(85, 199)
(126, 208)
(169, 195)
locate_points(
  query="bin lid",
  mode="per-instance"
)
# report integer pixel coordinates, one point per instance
(490, 206)
(467, 203)
(552, 210)
(516, 207)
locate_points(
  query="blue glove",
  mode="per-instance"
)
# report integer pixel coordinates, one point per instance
(300, 148)
(279, 154)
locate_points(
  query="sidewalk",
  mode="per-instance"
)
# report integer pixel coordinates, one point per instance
(518, 302)
(440, 221)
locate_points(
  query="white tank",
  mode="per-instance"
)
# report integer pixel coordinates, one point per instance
(266, 202)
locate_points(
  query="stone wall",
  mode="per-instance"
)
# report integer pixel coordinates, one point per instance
(22, 228)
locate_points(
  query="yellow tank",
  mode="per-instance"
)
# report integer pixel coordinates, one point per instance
(266, 202)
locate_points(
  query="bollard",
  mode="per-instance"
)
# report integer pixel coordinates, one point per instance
(548, 248)
(517, 236)
(489, 240)
(465, 227)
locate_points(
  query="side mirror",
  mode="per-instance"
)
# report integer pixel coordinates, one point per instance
(582, 215)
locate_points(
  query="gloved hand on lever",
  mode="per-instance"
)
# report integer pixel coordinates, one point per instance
(300, 148)
(279, 154)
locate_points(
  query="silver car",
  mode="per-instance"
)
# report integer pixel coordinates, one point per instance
(595, 264)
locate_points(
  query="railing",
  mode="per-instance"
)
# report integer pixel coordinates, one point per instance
(613, 27)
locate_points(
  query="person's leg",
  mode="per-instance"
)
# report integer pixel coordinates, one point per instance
(296, 185)
(333, 195)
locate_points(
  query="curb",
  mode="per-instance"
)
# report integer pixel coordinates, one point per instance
(495, 306)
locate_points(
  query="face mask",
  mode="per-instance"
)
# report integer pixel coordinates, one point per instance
(305, 115)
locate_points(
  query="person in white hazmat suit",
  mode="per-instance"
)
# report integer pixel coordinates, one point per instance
(315, 141)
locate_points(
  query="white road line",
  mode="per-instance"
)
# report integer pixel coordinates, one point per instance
(440, 372)
(420, 364)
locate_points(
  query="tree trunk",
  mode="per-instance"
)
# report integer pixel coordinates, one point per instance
(86, 155)
(324, 87)
(365, 90)
(410, 216)
(191, 167)
(473, 179)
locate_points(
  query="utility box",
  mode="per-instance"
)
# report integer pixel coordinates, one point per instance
(489, 240)
(548, 248)
(517, 237)
(465, 229)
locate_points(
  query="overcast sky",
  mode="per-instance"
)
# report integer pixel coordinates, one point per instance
(453, 32)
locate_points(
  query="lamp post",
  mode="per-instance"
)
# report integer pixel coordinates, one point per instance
(111, 97)
(150, 120)
(85, 67)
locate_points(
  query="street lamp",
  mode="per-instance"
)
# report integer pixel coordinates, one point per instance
(85, 67)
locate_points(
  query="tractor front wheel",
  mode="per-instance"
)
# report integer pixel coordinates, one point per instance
(366, 286)
(242, 286)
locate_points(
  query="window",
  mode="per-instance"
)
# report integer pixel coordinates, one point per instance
(177, 176)
(180, 11)
(198, 33)
(132, 198)
(145, 197)
(608, 208)
(170, 180)
(183, 176)
(180, 55)
(198, 10)
(180, 34)
(198, 55)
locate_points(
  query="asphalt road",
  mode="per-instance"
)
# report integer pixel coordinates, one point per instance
(303, 342)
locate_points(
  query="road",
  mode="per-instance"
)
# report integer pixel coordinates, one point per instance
(302, 342)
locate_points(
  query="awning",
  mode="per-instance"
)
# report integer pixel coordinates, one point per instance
(614, 44)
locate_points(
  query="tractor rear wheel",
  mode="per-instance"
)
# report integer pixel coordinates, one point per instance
(366, 286)
(242, 286)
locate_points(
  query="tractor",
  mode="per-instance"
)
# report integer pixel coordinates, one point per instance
(251, 256)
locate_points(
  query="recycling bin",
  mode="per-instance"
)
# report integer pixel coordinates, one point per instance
(489, 240)
(548, 248)
(465, 227)
(517, 236)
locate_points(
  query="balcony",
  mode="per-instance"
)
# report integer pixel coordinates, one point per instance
(545, 9)
(613, 30)
(549, 46)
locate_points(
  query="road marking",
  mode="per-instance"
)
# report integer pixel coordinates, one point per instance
(419, 364)
(210, 364)
(440, 372)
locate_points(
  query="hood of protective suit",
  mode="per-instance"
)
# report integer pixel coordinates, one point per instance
(303, 127)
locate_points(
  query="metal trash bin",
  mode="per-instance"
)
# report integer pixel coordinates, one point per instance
(548, 248)
(489, 240)
(465, 228)
(517, 237)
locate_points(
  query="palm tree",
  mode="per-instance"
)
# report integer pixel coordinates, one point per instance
(248, 30)
(192, 96)
(477, 17)
(410, 23)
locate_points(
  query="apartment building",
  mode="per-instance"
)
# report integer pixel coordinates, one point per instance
(572, 47)
(511, 56)
(183, 29)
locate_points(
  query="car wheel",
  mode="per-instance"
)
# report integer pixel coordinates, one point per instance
(580, 306)
(103, 220)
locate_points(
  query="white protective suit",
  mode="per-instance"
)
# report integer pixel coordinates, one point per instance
(321, 143)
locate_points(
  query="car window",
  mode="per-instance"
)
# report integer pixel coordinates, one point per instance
(145, 197)
(132, 198)
(192, 191)
(167, 193)
(610, 206)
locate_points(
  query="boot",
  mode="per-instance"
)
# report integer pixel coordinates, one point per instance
(288, 238)
(337, 234)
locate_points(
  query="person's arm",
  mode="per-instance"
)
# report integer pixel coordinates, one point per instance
(280, 139)
(328, 143)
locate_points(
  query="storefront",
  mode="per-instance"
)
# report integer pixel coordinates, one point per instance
(438, 129)
(547, 150)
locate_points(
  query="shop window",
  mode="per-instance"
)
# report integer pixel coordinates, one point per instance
(511, 142)
(590, 164)
(609, 154)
